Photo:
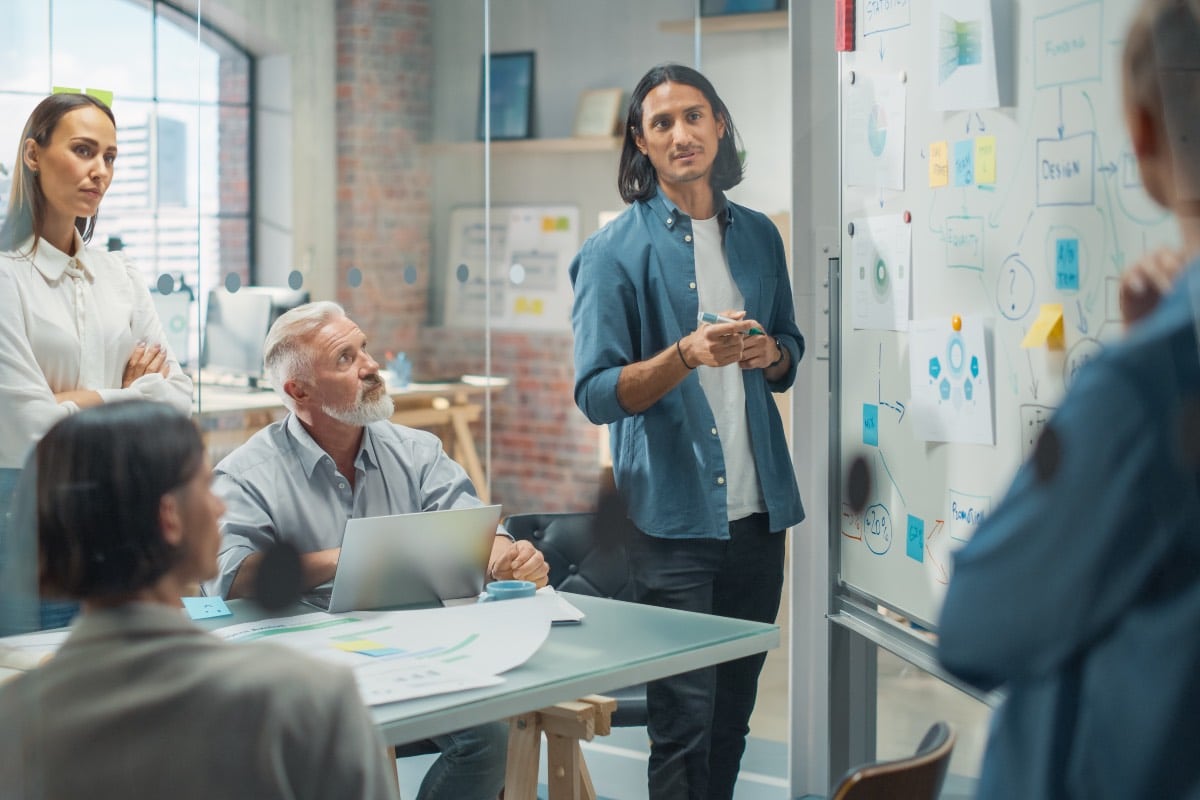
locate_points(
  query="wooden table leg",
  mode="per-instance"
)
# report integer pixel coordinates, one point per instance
(565, 726)
(524, 757)
(466, 454)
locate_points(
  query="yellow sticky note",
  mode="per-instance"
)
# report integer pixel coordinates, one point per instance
(65, 90)
(985, 159)
(357, 645)
(1047, 329)
(939, 164)
(548, 224)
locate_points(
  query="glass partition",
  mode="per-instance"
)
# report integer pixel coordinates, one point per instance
(272, 152)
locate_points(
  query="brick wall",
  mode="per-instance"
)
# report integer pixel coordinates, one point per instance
(233, 167)
(544, 452)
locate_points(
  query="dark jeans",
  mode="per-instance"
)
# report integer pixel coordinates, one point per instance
(698, 721)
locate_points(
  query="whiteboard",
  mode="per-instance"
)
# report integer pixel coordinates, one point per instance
(531, 251)
(1002, 210)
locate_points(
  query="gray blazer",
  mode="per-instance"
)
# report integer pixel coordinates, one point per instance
(139, 702)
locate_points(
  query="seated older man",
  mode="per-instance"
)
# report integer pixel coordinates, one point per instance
(336, 456)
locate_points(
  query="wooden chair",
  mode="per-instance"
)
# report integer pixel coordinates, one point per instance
(918, 777)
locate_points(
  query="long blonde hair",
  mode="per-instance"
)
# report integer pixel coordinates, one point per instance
(27, 203)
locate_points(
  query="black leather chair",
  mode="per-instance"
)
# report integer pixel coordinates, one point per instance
(586, 555)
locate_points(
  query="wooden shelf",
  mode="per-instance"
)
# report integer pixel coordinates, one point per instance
(596, 144)
(730, 23)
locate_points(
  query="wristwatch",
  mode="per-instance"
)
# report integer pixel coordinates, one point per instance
(779, 347)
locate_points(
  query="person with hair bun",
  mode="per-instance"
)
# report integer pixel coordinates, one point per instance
(138, 701)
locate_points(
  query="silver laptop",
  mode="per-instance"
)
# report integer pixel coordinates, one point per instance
(424, 559)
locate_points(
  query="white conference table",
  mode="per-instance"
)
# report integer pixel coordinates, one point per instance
(617, 644)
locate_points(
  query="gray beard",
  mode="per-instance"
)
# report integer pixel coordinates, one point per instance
(364, 412)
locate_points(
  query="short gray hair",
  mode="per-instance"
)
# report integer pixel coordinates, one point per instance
(284, 357)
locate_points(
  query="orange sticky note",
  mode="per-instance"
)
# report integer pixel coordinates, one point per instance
(1047, 329)
(548, 224)
(985, 159)
(939, 164)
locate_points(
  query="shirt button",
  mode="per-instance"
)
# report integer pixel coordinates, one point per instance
(714, 431)
(341, 486)
(687, 237)
(692, 285)
(720, 481)
(670, 221)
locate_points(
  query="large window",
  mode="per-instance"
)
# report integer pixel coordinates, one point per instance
(180, 201)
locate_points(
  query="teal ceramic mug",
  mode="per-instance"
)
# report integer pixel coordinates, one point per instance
(507, 590)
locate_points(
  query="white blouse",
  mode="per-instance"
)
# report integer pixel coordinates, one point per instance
(72, 323)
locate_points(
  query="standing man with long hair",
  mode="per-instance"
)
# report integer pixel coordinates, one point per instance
(699, 453)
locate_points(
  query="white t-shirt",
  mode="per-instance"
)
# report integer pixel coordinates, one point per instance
(723, 386)
(72, 323)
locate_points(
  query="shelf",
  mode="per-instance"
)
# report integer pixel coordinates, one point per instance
(595, 144)
(730, 23)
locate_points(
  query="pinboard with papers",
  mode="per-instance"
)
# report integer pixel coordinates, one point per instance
(990, 200)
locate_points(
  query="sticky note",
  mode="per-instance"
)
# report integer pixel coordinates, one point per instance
(1066, 264)
(549, 224)
(205, 607)
(65, 90)
(871, 424)
(939, 164)
(1047, 329)
(367, 647)
(103, 95)
(985, 159)
(915, 538)
(563, 224)
(964, 163)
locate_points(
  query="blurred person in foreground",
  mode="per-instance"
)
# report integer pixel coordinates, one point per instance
(138, 701)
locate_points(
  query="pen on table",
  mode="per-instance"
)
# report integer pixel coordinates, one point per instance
(711, 318)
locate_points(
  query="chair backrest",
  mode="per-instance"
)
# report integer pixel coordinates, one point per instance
(585, 556)
(918, 777)
(586, 553)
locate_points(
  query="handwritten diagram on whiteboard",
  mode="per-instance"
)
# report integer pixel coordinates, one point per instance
(531, 247)
(1033, 204)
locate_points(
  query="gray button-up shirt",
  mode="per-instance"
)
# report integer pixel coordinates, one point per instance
(281, 486)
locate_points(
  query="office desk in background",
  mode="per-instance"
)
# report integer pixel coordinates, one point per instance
(229, 416)
(617, 644)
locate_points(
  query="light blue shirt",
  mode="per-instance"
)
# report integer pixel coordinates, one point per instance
(280, 486)
(635, 295)
(1080, 595)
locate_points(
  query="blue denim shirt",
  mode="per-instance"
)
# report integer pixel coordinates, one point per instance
(1079, 595)
(635, 295)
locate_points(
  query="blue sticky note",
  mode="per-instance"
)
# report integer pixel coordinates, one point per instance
(205, 607)
(1066, 264)
(915, 539)
(964, 163)
(379, 652)
(871, 424)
